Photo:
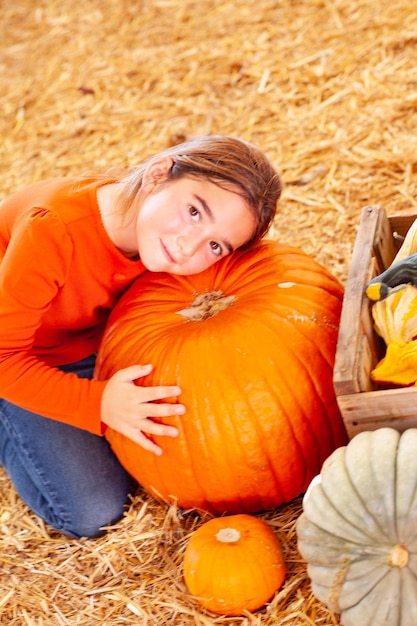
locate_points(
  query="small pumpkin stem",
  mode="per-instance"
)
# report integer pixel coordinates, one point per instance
(207, 305)
(399, 556)
(228, 535)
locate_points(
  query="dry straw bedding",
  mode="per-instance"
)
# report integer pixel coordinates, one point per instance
(328, 88)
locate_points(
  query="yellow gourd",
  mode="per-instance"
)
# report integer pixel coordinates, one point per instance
(399, 365)
(395, 315)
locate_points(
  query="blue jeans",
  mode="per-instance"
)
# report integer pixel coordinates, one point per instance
(67, 476)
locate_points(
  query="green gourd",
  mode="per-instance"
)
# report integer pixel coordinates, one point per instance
(393, 279)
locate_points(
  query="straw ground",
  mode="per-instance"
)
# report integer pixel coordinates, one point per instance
(328, 88)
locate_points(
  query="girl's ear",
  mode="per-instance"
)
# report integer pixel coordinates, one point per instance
(156, 172)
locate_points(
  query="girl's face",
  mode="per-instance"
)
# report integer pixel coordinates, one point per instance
(186, 225)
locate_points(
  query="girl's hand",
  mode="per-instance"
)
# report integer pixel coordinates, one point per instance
(129, 409)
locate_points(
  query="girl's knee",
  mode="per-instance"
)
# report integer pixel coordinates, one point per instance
(92, 521)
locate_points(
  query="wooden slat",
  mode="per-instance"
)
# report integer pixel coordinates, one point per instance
(384, 249)
(400, 224)
(355, 320)
(395, 408)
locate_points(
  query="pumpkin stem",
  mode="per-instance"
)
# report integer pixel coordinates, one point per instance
(207, 305)
(399, 556)
(228, 535)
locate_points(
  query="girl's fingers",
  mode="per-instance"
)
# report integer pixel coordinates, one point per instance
(146, 426)
(131, 373)
(146, 443)
(154, 428)
(150, 409)
(150, 394)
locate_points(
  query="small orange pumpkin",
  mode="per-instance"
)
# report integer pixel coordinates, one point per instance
(251, 342)
(233, 564)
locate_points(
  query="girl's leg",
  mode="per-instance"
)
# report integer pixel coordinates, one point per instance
(67, 476)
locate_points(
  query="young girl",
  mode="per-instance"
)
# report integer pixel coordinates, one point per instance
(69, 248)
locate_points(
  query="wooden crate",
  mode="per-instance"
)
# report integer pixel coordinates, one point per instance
(363, 405)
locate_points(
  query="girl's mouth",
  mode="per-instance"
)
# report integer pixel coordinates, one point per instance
(167, 253)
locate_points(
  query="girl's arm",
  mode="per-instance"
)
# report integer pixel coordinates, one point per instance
(34, 268)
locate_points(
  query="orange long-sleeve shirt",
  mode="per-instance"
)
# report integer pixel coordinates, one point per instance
(60, 276)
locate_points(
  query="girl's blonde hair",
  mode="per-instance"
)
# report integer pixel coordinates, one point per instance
(224, 161)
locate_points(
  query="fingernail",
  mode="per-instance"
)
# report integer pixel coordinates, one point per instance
(180, 410)
(176, 391)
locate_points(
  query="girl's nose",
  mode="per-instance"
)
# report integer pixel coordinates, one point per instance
(188, 244)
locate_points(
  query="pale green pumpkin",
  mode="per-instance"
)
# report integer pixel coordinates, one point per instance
(358, 530)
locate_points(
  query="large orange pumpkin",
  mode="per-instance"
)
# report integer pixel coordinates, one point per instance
(251, 342)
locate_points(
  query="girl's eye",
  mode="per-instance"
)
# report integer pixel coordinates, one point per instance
(195, 213)
(216, 248)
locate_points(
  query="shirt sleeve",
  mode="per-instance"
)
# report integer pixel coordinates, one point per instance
(34, 267)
